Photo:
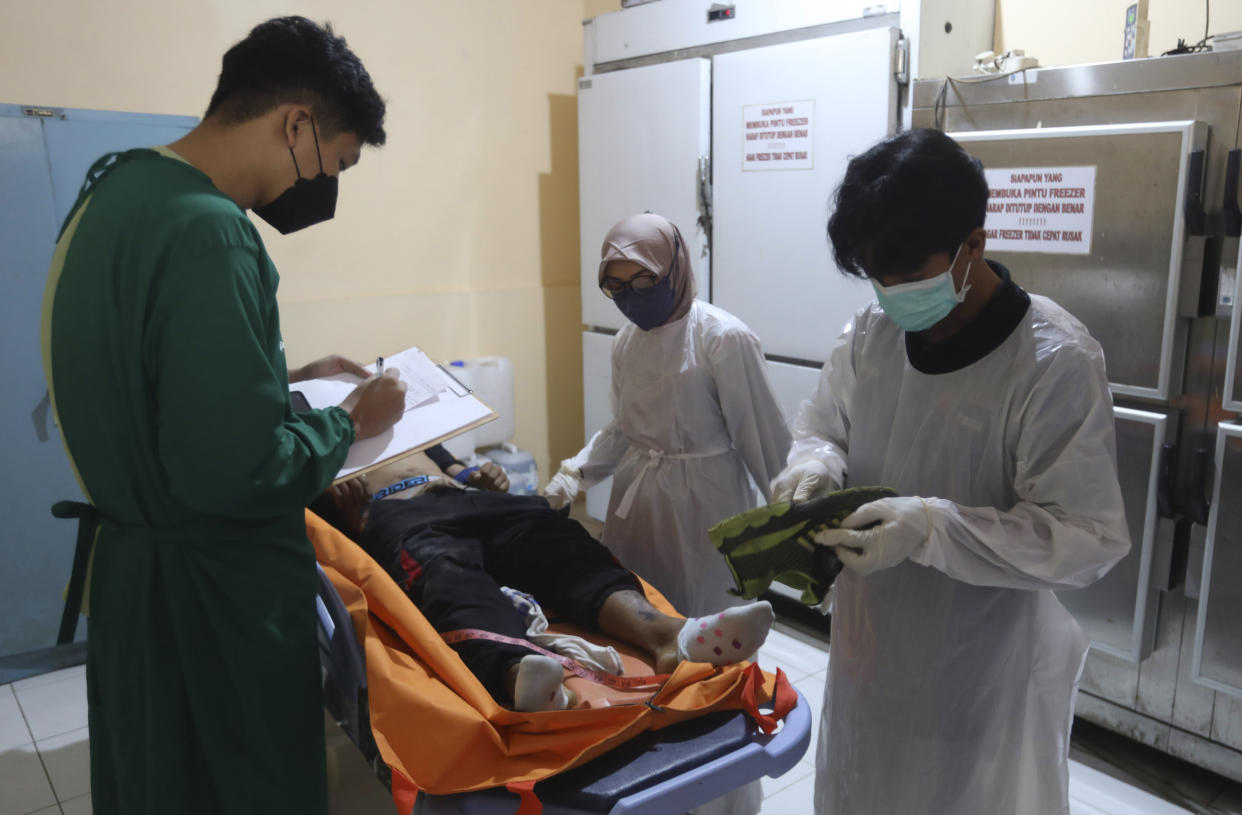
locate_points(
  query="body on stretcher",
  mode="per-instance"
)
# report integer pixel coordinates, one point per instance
(670, 770)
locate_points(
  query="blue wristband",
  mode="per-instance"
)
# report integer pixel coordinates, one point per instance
(464, 475)
(399, 486)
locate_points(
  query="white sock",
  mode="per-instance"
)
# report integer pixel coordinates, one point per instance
(539, 685)
(732, 635)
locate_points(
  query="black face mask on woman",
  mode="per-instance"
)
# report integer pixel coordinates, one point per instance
(309, 201)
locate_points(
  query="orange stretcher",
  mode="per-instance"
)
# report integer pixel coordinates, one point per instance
(429, 727)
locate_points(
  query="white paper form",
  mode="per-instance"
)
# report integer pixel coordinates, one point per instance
(439, 409)
(424, 381)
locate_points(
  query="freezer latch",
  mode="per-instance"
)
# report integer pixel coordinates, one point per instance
(901, 61)
(1233, 230)
(1196, 218)
(1233, 215)
(705, 198)
(1201, 482)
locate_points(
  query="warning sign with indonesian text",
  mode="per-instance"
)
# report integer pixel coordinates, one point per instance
(1040, 209)
(777, 136)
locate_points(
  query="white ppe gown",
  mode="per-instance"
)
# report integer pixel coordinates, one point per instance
(695, 420)
(951, 675)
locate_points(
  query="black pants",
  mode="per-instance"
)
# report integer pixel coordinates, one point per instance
(451, 551)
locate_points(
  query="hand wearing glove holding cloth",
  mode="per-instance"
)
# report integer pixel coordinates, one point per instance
(987, 409)
(695, 420)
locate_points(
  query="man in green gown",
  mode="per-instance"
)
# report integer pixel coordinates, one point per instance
(166, 366)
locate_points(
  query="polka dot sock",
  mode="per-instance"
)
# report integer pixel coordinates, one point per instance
(733, 635)
(539, 685)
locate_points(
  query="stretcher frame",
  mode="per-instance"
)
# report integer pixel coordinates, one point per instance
(346, 699)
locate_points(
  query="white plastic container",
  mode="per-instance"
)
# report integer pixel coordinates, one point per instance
(519, 465)
(491, 379)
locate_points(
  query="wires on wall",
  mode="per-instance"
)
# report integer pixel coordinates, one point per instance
(1202, 45)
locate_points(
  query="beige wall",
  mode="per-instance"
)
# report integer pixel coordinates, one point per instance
(1074, 32)
(460, 236)
(594, 8)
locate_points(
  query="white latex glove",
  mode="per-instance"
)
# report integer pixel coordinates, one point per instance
(802, 481)
(904, 525)
(562, 489)
(830, 599)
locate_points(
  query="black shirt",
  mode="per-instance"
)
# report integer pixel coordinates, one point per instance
(978, 338)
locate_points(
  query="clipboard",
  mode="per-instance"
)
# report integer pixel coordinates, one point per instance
(438, 407)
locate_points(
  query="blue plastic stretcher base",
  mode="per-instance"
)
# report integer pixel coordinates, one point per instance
(757, 755)
(661, 771)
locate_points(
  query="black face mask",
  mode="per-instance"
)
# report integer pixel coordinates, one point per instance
(309, 201)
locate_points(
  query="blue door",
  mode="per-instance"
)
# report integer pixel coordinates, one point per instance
(44, 156)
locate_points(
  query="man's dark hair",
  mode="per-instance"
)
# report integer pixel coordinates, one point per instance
(905, 199)
(291, 59)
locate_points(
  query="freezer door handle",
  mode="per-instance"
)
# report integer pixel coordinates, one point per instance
(1200, 503)
(1233, 215)
(1165, 486)
(705, 198)
(1196, 218)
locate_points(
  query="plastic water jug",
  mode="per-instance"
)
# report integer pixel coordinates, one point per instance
(519, 464)
(491, 379)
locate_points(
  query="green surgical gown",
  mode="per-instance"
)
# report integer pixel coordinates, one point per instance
(165, 362)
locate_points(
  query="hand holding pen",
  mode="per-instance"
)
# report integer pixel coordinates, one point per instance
(377, 403)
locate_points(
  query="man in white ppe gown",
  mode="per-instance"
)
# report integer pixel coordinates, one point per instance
(953, 666)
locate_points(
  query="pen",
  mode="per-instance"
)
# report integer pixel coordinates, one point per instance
(459, 383)
(379, 365)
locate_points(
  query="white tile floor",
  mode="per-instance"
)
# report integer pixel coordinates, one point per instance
(44, 761)
(44, 756)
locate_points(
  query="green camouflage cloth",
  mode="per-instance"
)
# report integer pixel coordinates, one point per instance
(775, 543)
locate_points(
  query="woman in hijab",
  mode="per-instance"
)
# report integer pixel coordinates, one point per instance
(696, 424)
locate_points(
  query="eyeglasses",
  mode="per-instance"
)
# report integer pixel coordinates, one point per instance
(643, 282)
(640, 284)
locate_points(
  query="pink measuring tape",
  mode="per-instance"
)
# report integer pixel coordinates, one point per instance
(620, 682)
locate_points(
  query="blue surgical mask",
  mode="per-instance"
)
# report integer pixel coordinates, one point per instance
(919, 305)
(651, 309)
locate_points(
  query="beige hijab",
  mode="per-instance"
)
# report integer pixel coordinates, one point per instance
(650, 241)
